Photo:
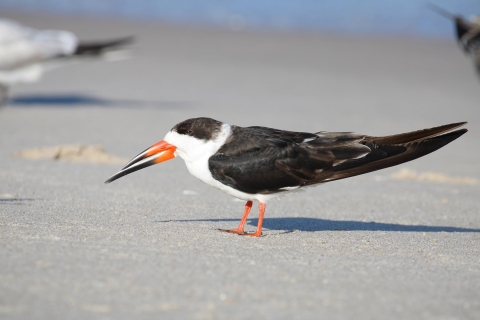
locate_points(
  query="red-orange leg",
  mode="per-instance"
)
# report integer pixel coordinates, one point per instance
(261, 212)
(241, 226)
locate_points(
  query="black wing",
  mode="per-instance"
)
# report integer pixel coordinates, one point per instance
(263, 160)
(98, 47)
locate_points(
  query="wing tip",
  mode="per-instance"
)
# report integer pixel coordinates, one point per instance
(418, 135)
(456, 133)
(97, 47)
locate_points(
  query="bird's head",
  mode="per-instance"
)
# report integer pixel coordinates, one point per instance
(191, 140)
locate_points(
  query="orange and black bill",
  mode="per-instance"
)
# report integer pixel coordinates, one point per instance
(159, 152)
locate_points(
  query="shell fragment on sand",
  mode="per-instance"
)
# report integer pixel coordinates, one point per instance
(73, 153)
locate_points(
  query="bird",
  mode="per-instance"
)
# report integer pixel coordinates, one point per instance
(26, 53)
(260, 164)
(467, 32)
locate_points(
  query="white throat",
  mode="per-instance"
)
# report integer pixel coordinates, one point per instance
(191, 149)
(196, 152)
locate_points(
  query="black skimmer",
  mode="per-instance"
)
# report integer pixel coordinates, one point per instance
(26, 53)
(467, 32)
(259, 163)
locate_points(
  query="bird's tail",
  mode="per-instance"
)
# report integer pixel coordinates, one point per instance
(99, 47)
(392, 150)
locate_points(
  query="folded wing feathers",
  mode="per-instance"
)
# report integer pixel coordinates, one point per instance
(354, 151)
(415, 135)
(393, 150)
(327, 140)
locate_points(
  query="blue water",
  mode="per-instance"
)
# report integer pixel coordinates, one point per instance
(387, 17)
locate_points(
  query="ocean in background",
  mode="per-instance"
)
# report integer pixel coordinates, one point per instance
(381, 17)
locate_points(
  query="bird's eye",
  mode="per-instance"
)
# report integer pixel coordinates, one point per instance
(189, 131)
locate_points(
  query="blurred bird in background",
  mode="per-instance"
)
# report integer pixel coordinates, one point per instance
(26, 53)
(468, 33)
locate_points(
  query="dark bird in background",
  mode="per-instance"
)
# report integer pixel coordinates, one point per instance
(468, 34)
(26, 53)
(259, 163)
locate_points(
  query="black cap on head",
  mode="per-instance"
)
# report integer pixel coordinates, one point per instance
(200, 128)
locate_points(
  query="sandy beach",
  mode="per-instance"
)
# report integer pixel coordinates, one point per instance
(391, 244)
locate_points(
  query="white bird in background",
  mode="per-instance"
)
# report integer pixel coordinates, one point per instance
(26, 53)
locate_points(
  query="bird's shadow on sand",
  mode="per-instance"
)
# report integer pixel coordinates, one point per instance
(15, 201)
(69, 100)
(289, 224)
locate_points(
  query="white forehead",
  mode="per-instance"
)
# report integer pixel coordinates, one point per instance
(189, 148)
